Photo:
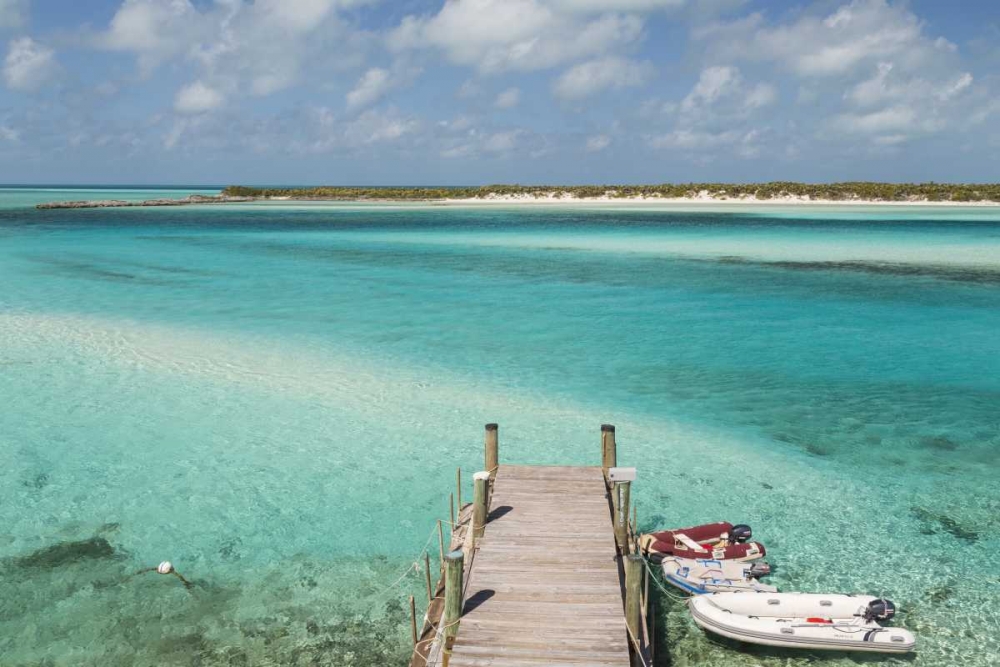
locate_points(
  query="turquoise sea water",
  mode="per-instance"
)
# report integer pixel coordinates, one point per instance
(275, 398)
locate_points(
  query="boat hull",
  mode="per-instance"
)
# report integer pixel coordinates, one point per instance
(705, 537)
(701, 576)
(790, 623)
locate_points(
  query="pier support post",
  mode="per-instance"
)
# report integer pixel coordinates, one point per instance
(454, 561)
(413, 620)
(480, 500)
(441, 545)
(492, 449)
(633, 599)
(609, 454)
(427, 576)
(620, 493)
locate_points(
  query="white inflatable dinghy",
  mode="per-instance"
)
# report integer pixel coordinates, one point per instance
(703, 575)
(803, 620)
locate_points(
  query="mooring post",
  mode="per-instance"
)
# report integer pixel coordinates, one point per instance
(451, 503)
(633, 600)
(620, 494)
(480, 500)
(440, 545)
(634, 530)
(427, 573)
(458, 490)
(413, 619)
(454, 561)
(492, 449)
(609, 455)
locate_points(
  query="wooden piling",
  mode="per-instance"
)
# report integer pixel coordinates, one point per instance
(620, 494)
(458, 488)
(413, 619)
(492, 454)
(633, 599)
(480, 502)
(609, 454)
(454, 561)
(427, 576)
(451, 503)
(441, 544)
(635, 526)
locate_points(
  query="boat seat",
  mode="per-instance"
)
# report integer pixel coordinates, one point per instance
(689, 543)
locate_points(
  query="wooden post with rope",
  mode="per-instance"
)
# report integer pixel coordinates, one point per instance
(492, 457)
(633, 600)
(480, 503)
(609, 455)
(454, 562)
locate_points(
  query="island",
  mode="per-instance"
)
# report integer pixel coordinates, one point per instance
(853, 192)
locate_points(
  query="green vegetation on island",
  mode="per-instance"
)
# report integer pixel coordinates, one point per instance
(848, 191)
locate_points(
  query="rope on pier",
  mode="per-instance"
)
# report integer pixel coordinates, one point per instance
(673, 595)
(638, 647)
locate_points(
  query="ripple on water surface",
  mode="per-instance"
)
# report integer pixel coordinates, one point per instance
(280, 412)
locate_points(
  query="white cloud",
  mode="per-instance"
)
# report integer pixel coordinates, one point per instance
(500, 35)
(8, 133)
(713, 83)
(602, 6)
(706, 144)
(761, 95)
(693, 139)
(889, 86)
(722, 93)
(260, 47)
(155, 30)
(375, 127)
(598, 142)
(502, 142)
(596, 75)
(892, 119)
(197, 97)
(28, 64)
(375, 83)
(952, 90)
(13, 13)
(835, 44)
(508, 99)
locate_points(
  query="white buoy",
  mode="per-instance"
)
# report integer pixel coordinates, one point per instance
(166, 567)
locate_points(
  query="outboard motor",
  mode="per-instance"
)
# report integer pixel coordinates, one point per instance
(740, 534)
(758, 570)
(880, 610)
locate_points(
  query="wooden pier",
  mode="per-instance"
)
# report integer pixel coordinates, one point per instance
(536, 575)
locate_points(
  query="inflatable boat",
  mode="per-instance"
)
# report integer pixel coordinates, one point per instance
(710, 576)
(716, 541)
(803, 620)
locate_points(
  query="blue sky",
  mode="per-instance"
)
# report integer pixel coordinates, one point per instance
(485, 91)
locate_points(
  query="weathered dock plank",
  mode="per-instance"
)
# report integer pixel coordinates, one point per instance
(545, 587)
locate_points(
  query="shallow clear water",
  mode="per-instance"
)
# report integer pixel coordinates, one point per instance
(275, 398)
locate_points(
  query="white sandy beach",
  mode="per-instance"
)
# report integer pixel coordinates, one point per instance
(703, 199)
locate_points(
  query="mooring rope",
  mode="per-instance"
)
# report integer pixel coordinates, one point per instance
(638, 647)
(673, 595)
(413, 567)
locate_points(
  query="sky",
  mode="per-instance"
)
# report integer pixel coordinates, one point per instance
(456, 92)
